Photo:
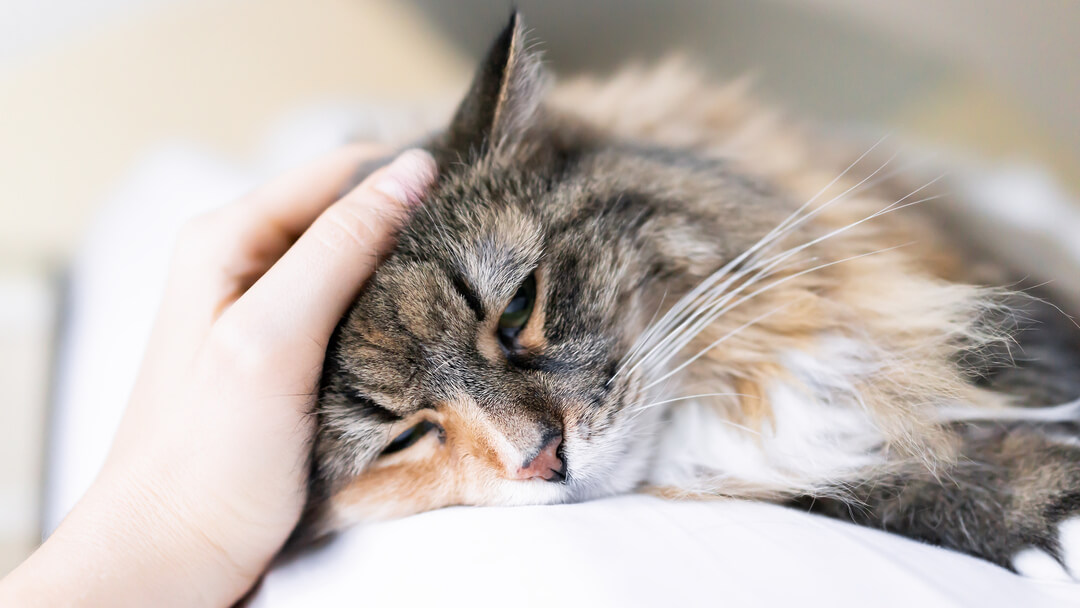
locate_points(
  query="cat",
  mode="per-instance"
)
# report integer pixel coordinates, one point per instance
(648, 283)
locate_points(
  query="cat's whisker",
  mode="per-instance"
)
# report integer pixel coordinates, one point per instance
(708, 303)
(833, 200)
(708, 297)
(710, 317)
(671, 333)
(867, 185)
(695, 323)
(633, 408)
(884, 211)
(895, 206)
(633, 351)
(679, 315)
(441, 365)
(755, 294)
(900, 170)
(690, 306)
(836, 179)
(678, 340)
(719, 341)
(686, 398)
(784, 255)
(717, 313)
(638, 411)
(795, 215)
(679, 310)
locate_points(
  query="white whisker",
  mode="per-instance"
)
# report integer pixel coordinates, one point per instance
(713, 296)
(714, 344)
(700, 396)
(678, 314)
(639, 343)
(755, 294)
(678, 339)
(684, 303)
(674, 399)
(836, 198)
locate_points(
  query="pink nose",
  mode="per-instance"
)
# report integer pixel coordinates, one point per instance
(546, 464)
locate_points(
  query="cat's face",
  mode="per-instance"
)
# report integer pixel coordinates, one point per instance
(482, 363)
(477, 366)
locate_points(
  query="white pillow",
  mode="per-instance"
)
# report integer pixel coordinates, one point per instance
(640, 551)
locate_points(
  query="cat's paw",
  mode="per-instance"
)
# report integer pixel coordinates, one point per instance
(1040, 564)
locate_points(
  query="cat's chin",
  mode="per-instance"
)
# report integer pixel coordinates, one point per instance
(615, 462)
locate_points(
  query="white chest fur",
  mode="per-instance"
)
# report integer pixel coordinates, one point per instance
(820, 430)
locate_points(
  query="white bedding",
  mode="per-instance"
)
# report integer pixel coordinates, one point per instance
(641, 551)
(628, 551)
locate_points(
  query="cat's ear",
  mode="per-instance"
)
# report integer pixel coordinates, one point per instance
(503, 98)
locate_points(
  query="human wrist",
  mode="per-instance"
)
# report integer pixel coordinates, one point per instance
(130, 544)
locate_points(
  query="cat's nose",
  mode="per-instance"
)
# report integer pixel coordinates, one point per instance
(546, 464)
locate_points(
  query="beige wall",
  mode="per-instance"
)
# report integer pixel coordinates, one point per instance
(75, 116)
(84, 92)
(1018, 63)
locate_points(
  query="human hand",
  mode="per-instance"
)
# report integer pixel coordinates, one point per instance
(206, 476)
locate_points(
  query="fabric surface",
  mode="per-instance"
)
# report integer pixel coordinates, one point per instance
(626, 551)
(641, 551)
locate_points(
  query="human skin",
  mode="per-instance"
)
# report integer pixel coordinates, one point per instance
(206, 475)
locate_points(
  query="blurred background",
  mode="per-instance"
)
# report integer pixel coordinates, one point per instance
(89, 89)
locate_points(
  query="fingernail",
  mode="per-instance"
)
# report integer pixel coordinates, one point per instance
(407, 179)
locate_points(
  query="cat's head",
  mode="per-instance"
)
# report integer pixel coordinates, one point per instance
(482, 363)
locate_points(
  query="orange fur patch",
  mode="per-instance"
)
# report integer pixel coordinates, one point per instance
(462, 468)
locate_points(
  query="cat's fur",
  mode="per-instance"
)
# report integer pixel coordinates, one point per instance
(846, 364)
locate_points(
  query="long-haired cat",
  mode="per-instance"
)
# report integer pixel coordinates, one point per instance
(651, 284)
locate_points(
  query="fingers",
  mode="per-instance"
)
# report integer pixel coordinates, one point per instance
(304, 295)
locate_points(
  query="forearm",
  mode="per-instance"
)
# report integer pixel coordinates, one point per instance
(126, 546)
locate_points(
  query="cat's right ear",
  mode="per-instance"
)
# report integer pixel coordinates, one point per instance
(502, 100)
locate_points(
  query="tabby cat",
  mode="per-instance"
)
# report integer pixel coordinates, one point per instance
(651, 284)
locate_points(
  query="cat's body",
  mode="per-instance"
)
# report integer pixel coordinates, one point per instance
(651, 284)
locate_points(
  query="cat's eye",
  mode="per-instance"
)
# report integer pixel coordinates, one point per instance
(409, 437)
(517, 312)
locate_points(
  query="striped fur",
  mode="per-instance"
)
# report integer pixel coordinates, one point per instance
(726, 305)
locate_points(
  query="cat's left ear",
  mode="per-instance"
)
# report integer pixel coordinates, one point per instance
(503, 99)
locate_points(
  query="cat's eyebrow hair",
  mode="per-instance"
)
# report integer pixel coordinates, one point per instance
(466, 291)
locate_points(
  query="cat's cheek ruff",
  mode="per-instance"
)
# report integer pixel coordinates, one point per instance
(615, 460)
(818, 432)
(832, 406)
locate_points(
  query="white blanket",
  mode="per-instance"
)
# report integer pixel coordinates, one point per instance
(628, 551)
(641, 551)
